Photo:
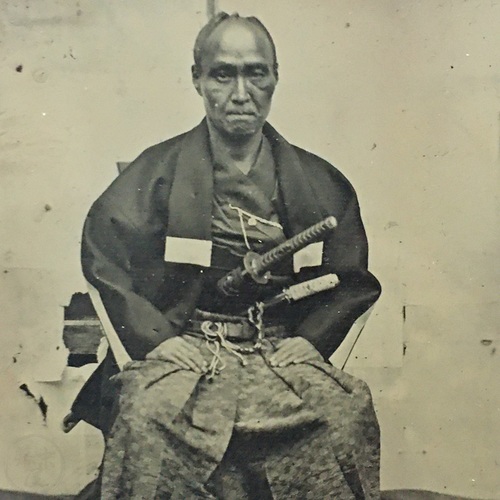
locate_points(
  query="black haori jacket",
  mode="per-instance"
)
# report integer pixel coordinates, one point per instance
(167, 193)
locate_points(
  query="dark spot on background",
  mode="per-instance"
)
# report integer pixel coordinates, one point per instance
(40, 402)
(43, 408)
(486, 341)
(347, 25)
(47, 208)
(14, 359)
(26, 390)
(19, 68)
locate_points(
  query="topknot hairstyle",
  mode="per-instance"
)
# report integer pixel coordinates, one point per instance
(216, 21)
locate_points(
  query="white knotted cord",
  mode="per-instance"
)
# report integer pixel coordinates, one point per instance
(215, 338)
(251, 217)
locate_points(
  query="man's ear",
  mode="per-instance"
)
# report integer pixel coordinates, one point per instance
(276, 73)
(195, 76)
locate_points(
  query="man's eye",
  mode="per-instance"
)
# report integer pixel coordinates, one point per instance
(222, 76)
(257, 73)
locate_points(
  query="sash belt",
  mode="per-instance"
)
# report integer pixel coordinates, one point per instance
(227, 333)
(236, 328)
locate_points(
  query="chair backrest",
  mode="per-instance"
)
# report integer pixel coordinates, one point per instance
(341, 356)
(122, 165)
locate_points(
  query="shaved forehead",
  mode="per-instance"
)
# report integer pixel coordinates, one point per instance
(229, 33)
(235, 37)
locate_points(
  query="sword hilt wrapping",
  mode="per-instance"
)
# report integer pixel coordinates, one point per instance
(304, 289)
(294, 244)
(310, 287)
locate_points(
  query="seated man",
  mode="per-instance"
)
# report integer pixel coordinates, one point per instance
(223, 398)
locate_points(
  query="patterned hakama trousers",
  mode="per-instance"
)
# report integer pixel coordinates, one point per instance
(305, 431)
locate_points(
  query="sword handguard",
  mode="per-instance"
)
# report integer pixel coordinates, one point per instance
(232, 282)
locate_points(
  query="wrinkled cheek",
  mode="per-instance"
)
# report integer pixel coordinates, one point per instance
(214, 103)
(266, 90)
(263, 98)
(215, 95)
(264, 106)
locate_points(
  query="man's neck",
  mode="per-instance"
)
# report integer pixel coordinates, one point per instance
(241, 153)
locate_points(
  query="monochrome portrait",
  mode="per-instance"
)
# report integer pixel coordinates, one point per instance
(249, 250)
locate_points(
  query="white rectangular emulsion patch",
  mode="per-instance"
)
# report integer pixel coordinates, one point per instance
(188, 251)
(310, 256)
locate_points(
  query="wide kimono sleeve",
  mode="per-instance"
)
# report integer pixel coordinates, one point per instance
(326, 318)
(109, 246)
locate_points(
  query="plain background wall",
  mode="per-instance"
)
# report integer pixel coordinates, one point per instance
(402, 96)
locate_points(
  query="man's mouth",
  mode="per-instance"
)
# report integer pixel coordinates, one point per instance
(241, 113)
(241, 117)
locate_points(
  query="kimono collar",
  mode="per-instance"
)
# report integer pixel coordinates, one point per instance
(191, 197)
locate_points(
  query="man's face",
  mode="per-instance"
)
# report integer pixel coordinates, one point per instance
(236, 79)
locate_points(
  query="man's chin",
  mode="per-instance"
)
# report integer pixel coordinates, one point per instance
(242, 131)
(238, 130)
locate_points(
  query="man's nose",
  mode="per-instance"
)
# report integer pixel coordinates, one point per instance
(240, 91)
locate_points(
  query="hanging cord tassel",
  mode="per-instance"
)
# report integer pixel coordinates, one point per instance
(216, 364)
(215, 333)
(215, 338)
(255, 314)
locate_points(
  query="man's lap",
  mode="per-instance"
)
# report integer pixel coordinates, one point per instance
(316, 418)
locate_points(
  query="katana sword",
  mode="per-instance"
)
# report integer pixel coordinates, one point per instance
(257, 267)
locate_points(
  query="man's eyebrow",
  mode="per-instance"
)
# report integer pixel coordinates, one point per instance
(226, 65)
(258, 65)
(223, 65)
(232, 69)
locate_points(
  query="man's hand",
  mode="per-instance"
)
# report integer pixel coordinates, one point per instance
(182, 353)
(294, 350)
